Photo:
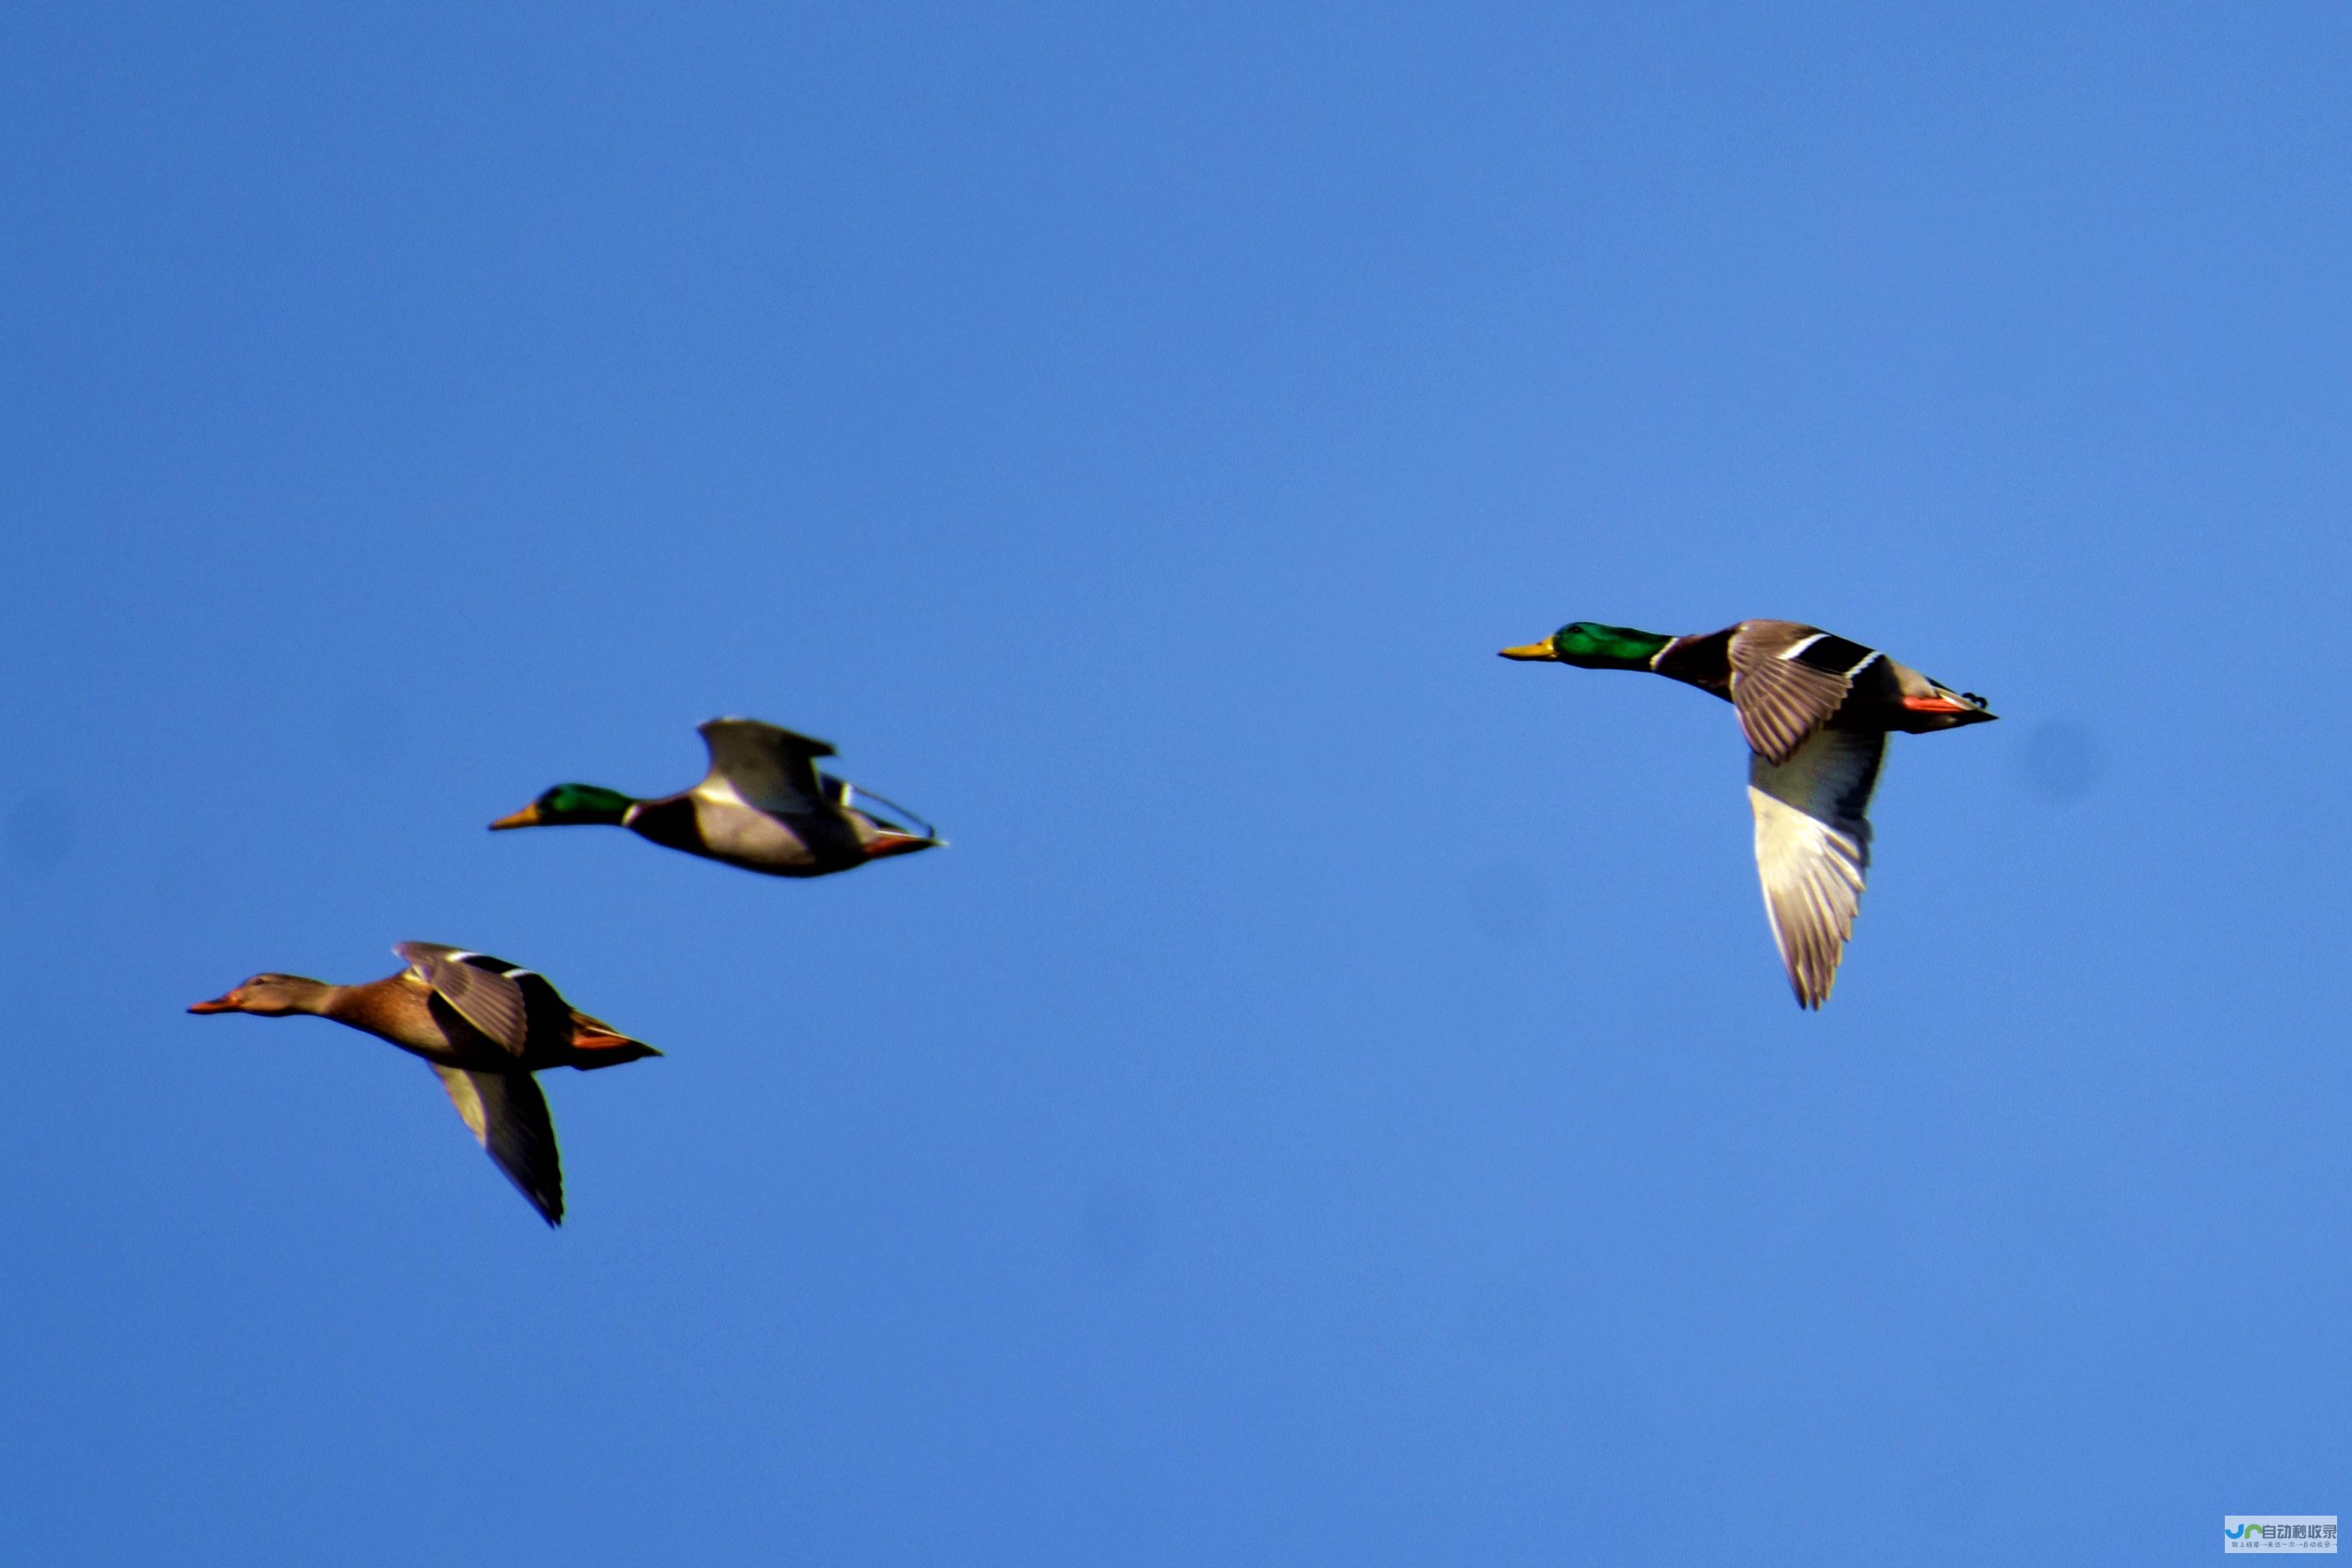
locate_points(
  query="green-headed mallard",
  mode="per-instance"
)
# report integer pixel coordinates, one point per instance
(485, 1026)
(763, 805)
(1816, 710)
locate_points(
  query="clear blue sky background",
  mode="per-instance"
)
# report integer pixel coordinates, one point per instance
(1336, 1101)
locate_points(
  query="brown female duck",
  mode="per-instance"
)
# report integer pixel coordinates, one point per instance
(485, 1026)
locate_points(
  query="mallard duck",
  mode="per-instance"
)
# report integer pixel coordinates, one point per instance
(485, 1026)
(1816, 710)
(763, 805)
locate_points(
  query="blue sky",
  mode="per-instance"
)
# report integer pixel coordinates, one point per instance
(1336, 1100)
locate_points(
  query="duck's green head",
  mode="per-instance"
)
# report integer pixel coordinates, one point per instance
(1592, 645)
(569, 805)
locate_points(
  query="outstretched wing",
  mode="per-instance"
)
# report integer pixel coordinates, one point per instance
(1787, 680)
(489, 993)
(765, 766)
(507, 1115)
(1812, 849)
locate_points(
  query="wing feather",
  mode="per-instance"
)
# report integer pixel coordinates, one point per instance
(765, 766)
(487, 993)
(1812, 849)
(507, 1115)
(1781, 696)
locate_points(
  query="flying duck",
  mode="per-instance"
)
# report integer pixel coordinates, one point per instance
(1816, 710)
(763, 805)
(484, 1025)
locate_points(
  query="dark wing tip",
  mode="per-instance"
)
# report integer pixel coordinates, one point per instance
(548, 1203)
